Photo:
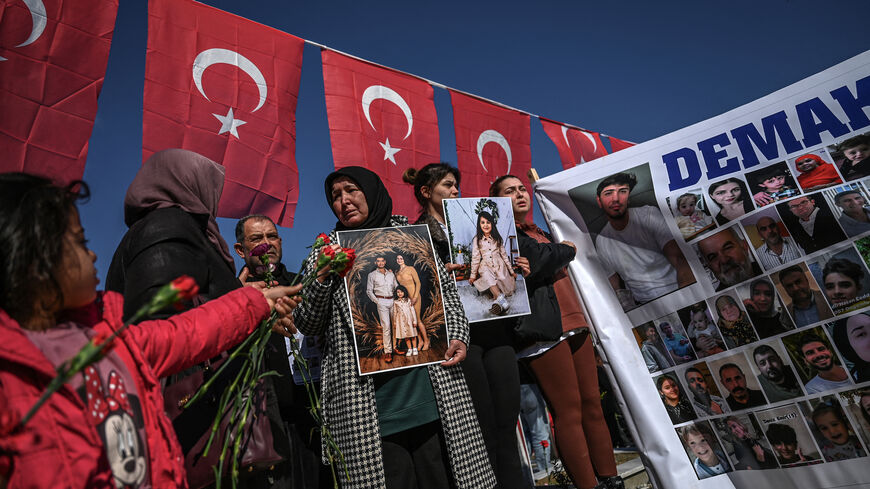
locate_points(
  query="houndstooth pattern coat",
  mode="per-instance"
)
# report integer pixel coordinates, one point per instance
(348, 399)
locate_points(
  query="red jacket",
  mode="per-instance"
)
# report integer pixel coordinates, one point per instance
(60, 448)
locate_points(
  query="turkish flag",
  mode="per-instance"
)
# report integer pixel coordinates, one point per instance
(619, 144)
(575, 146)
(381, 119)
(491, 141)
(226, 87)
(53, 56)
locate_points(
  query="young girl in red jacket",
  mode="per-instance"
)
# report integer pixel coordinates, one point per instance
(106, 426)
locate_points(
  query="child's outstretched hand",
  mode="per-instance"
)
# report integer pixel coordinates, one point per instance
(762, 199)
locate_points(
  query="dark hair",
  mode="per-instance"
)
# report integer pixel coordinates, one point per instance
(844, 193)
(621, 178)
(692, 369)
(729, 365)
(713, 186)
(403, 289)
(762, 349)
(429, 176)
(771, 171)
(33, 222)
(832, 407)
(844, 267)
(785, 272)
(240, 226)
(853, 141)
(495, 187)
(494, 233)
(661, 380)
(809, 338)
(781, 433)
(841, 340)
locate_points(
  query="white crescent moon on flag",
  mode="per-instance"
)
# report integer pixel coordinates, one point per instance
(492, 136)
(594, 144)
(375, 92)
(37, 12)
(217, 55)
(565, 135)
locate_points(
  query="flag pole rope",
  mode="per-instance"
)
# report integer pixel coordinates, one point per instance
(445, 87)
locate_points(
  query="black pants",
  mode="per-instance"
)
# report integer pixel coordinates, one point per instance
(417, 459)
(493, 379)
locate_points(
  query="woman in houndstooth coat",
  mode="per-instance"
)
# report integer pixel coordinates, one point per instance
(360, 201)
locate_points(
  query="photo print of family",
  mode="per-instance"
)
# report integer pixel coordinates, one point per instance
(634, 244)
(483, 241)
(394, 298)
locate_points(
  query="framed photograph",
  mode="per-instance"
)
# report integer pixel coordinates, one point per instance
(395, 299)
(483, 240)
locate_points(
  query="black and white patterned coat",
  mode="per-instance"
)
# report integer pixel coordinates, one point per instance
(348, 399)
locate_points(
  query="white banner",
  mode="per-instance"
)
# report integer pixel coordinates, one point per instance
(725, 268)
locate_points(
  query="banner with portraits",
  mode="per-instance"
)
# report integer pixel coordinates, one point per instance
(726, 269)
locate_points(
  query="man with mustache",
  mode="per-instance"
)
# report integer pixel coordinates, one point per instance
(807, 306)
(727, 256)
(811, 223)
(702, 399)
(776, 378)
(638, 252)
(776, 250)
(740, 397)
(820, 359)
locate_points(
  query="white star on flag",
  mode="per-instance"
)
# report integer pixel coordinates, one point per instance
(389, 152)
(229, 123)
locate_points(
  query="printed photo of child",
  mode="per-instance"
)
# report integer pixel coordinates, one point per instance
(483, 239)
(701, 330)
(691, 214)
(853, 157)
(704, 450)
(787, 433)
(771, 184)
(832, 430)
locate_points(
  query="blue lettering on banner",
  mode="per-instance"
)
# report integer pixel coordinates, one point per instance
(675, 169)
(713, 156)
(814, 117)
(773, 125)
(854, 106)
(814, 109)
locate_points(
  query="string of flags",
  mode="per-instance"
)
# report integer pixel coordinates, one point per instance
(227, 87)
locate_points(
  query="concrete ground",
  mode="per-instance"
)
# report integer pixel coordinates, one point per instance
(628, 464)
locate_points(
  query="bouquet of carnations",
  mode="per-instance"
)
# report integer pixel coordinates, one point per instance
(237, 398)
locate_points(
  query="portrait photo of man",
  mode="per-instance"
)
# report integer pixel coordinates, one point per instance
(769, 236)
(777, 379)
(844, 280)
(811, 222)
(638, 252)
(706, 398)
(727, 255)
(805, 302)
(855, 217)
(818, 365)
(743, 392)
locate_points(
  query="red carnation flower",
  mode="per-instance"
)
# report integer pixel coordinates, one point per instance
(185, 286)
(261, 249)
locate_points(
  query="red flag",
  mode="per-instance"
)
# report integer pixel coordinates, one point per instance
(53, 57)
(226, 87)
(619, 144)
(575, 146)
(491, 141)
(381, 119)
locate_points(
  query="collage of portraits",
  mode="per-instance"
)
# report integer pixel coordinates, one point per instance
(773, 369)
